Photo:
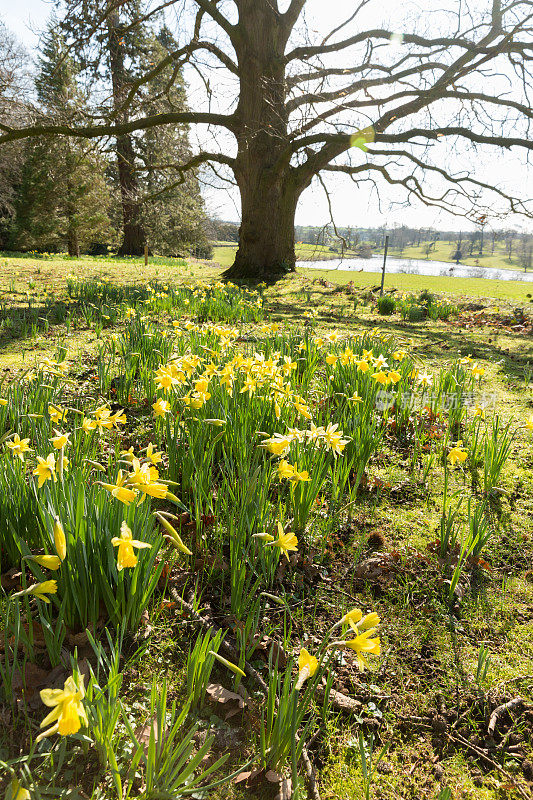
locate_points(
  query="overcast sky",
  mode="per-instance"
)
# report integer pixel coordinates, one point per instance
(351, 205)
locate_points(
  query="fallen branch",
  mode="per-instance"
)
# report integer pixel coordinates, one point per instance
(459, 739)
(253, 673)
(516, 702)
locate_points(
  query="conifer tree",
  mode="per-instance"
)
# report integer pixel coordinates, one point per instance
(62, 199)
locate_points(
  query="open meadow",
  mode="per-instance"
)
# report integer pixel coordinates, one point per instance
(263, 542)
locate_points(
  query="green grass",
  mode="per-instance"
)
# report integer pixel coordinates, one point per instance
(426, 666)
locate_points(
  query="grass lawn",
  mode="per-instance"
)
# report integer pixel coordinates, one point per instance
(373, 533)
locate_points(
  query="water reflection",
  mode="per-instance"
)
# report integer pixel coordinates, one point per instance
(416, 266)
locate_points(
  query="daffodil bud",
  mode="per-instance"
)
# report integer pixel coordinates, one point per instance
(60, 540)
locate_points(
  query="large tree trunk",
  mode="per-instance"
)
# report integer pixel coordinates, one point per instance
(266, 235)
(133, 231)
(269, 192)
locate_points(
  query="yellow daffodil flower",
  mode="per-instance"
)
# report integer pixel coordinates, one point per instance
(120, 490)
(88, 424)
(307, 666)
(46, 469)
(57, 414)
(39, 590)
(364, 644)
(394, 377)
(125, 543)
(285, 541)
(47, 562)
(155, 456)
(60, 541)
(278, 445)
(381, 377)
(161, 407)
(457, 454)
(18, 446)
(68, 714)
(60, 440)
(479, 410)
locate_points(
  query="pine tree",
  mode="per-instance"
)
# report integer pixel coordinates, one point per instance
(62, 199)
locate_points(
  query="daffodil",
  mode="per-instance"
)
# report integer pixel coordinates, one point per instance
(18, 446)
(46, 561)
(39, 590)
(46, 469)
(68, 714)
(394, 377)
(479, 410)
(307, 666)
(57, 414)
(60, 440)
(88, 424)
(120, 490)
(477, 372)
(15, 791)
(457, 454)
(363, 365)
(125, 543)
(285, 541)
(155, 456)
(161, 407)
(529, 423)
(118, 418)
(285, 470)
(381, 377)
(60, 541)
(278, 445)
(364, 644)
(128, 455)
(144, 478)
(3, 401)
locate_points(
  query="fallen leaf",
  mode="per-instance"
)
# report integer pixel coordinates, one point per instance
(219, 694)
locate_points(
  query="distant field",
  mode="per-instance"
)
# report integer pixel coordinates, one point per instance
(443, 251)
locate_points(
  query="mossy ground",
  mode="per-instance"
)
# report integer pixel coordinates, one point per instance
(426, 671)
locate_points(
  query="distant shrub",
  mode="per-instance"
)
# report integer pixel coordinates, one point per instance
(386, 305)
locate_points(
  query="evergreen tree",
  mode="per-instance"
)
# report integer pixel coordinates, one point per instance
(158, 206)
(62, 197)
